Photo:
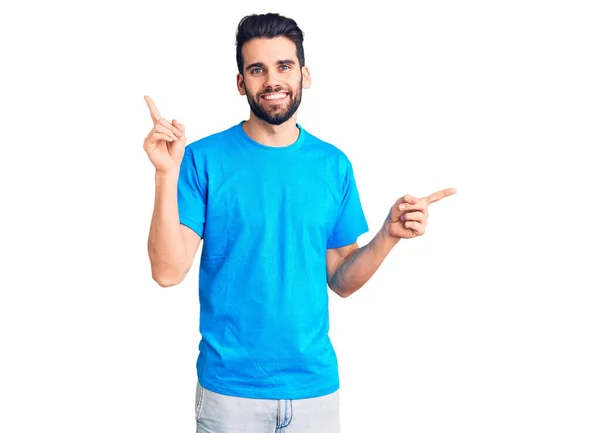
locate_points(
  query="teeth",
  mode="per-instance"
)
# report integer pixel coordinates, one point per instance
(276, 96)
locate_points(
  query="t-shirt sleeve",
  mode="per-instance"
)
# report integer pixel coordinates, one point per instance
(191, 192)
(351, 221)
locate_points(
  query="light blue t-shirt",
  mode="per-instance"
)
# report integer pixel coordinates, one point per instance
(267, 216)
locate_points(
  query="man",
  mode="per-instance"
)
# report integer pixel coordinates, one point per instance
(279, 213)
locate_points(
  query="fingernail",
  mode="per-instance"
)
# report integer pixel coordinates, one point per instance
(402, 206)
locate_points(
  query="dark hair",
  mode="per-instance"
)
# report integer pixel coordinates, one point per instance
(268, 26)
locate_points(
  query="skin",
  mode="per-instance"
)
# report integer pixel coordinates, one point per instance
(165, 143)
(263, 74)
(349, 268)
(271, 66)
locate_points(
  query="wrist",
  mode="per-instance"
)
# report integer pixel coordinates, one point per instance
(386, 237)
(167, 174)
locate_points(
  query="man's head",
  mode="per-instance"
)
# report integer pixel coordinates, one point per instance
(270, 59)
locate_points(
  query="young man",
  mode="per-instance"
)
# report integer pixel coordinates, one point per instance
(279, 213)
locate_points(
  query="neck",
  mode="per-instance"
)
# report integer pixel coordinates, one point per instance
(271, 135)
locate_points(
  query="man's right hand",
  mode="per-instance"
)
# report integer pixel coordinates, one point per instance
(165, 144)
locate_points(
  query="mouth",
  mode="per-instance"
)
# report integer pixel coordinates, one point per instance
(274, 98)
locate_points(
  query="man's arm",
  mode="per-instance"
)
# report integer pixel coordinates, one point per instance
(171, 245)
(350, 267)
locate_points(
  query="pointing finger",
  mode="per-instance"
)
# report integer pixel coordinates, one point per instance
(153, 110)
(440, 195)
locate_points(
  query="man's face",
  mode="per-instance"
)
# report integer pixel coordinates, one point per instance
(272, 79)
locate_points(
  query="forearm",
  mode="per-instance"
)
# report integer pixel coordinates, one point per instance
(165, 241)
(356, 269)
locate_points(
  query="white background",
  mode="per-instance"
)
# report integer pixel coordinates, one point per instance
(487, 323)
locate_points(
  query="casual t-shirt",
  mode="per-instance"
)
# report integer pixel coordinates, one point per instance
(267, 216)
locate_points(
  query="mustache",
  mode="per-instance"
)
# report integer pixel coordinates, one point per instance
(277, 90)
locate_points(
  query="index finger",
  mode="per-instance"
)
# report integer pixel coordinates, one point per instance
(153, 110)
(439, 195)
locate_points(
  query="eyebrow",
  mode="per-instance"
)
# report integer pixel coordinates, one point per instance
(262, 65)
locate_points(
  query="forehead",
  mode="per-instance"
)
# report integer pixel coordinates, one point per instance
(268, 50)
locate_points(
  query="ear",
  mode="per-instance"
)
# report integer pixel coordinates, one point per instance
(240, 84)
(306, 78)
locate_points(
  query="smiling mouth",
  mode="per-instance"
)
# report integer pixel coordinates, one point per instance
(274, 97)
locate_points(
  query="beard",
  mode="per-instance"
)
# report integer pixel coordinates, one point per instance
(276, 114)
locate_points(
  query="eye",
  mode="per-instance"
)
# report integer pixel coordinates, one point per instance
(254, 70)
(285, 66)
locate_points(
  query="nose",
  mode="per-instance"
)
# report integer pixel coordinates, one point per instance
(272, 82)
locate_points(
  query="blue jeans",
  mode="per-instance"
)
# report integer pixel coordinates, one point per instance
(218, 413)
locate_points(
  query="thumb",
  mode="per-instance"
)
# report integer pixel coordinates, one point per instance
(178, 125)
(409, 199)
(403, 204)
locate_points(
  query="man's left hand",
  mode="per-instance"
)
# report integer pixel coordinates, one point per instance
(408, 217)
